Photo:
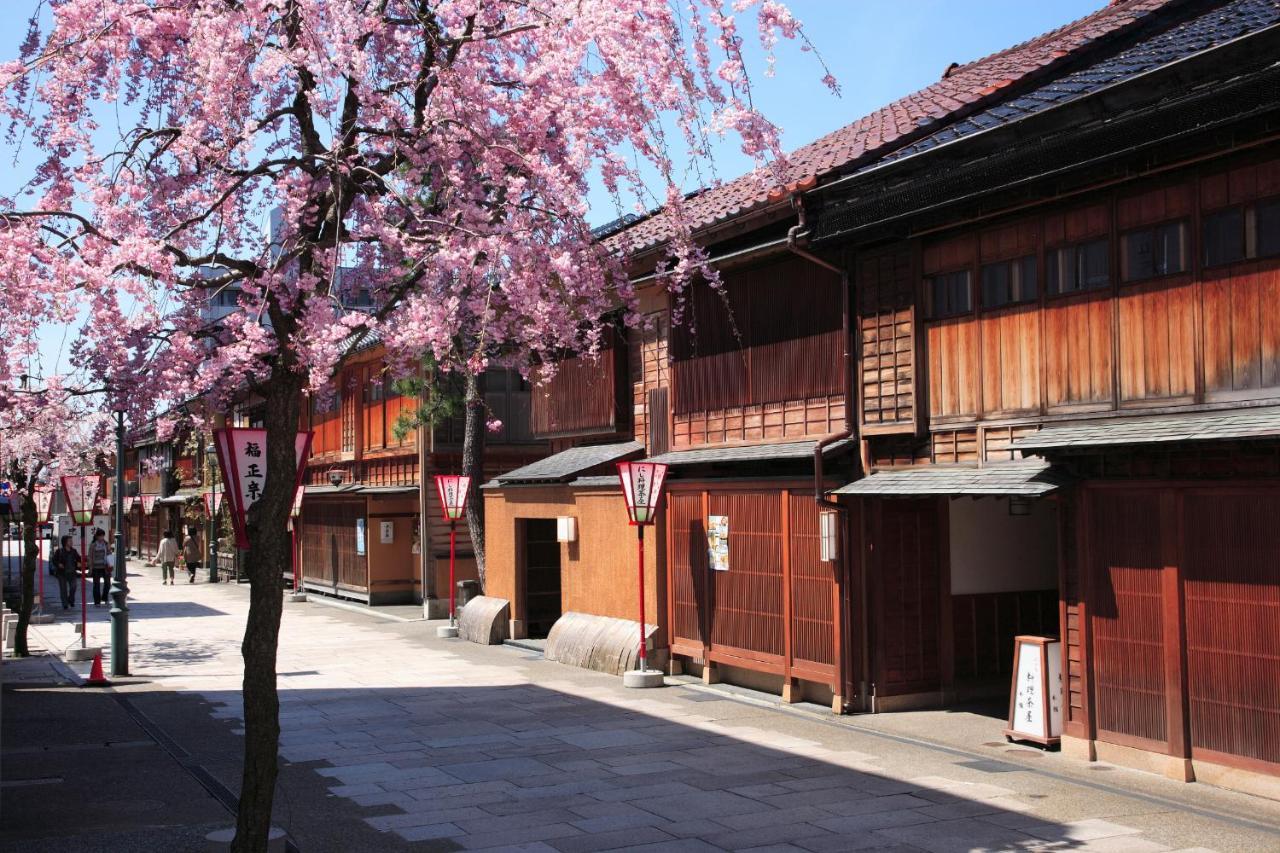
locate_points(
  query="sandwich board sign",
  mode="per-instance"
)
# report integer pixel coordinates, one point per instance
(1035, 698)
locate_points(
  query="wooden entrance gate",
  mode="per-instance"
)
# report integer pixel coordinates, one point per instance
(1183, 597)
(330, 561)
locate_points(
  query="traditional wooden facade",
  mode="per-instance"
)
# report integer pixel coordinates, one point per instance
(1056, 273)
(1073, 324)
(368, 490)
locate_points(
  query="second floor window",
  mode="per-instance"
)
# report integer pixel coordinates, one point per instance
(1009, 282)
(1242, 233)
(1151, 252)
(948, 294)
(1084, 266)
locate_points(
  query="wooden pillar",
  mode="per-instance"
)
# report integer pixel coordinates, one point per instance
(1172, 622)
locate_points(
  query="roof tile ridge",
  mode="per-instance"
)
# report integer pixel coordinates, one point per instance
(1115, 8)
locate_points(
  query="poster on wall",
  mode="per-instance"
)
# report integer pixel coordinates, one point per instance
(360, 536)
(1035, 701)
(718, 542)
(387, 532)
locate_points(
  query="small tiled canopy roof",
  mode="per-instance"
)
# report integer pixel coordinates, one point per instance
(964, 90)
(1025, 478)
(562, 467)
(749, 453)
(1199, 426)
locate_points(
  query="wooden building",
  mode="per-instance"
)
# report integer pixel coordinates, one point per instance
(1021, 331)
(1069, 310)
(367, 490)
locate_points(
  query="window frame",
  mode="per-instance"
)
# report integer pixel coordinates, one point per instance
(1206, 216)
(930, 314)
(1014, 263)
(1077, 247)
(1154, 229)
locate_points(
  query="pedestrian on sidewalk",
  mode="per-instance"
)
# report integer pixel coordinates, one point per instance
(66, 565)
(191, 554)
(168, 556)
(100, 566)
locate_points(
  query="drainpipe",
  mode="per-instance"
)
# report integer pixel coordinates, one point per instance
(819, 489)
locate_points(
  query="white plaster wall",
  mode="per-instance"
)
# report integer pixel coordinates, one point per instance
(992, 551)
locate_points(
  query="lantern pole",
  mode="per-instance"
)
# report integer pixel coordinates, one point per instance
(643, 660)
(84, 609)
(453, 556)
(119, 583)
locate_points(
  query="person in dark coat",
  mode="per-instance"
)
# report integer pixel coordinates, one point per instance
(66, 565)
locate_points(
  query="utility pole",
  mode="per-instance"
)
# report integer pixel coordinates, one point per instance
(119, 584)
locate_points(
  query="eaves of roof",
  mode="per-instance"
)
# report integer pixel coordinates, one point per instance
(965, 90)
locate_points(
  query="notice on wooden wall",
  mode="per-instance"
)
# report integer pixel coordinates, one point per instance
(1035, 701)
(718, 542)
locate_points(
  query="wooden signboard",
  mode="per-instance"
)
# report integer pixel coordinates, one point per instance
(1035, 697)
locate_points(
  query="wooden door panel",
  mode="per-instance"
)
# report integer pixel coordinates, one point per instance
(1231, 580)
(907, 578)
(688, 567)
(812, 586)
(747, 601)
(1126, 615)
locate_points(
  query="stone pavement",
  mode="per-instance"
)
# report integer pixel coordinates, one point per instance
(394, 740)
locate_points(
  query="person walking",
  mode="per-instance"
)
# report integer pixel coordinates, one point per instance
(66, 565)
(191, 555)
(168, 556)
(100, 566)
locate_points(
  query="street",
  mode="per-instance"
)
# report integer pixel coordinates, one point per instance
(393, 739)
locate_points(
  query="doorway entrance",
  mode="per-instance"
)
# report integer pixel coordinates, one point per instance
(542, 576)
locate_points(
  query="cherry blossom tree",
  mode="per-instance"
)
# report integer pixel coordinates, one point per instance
(64, 435)
(436, 153)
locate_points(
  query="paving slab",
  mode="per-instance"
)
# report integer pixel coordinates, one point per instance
(395, 740)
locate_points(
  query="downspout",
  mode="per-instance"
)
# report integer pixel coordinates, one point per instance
(819, 487)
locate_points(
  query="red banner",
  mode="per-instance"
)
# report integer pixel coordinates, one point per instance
(242, 456)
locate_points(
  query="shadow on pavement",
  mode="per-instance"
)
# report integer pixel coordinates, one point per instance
(451, 768)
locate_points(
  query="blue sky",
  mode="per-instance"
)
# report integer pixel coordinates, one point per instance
(879, 50)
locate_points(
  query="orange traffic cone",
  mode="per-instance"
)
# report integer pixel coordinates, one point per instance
(96, 676)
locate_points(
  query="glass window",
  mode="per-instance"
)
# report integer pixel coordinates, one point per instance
(1224, 237)
(1009, 282)
(948, 294)
(1267, 228)
(1154, 251)
(1084, 266)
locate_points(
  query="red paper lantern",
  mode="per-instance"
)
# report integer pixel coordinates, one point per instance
(453, 490)
(641, 488)
(82, 497)
(44, 504)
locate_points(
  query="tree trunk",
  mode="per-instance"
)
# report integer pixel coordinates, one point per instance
(473, 467)
(29, 552)
(267, 561)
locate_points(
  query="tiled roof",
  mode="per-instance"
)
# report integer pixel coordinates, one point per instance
(1027, 478)
(1198, 426)
(562, 466)
(1212, 28)
(748, 453)
(964, 89)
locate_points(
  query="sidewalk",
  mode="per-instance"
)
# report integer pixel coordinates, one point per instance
(395, 740)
